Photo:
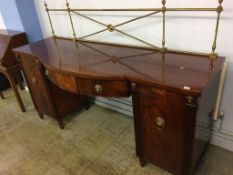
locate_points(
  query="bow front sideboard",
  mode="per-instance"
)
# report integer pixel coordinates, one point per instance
(173, 94)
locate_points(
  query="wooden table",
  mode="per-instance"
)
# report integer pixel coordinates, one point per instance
(9, 66)
(173, 94)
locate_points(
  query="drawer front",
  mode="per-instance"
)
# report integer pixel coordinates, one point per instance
(65, 82)
(163, 128)
(103, 88)
(37, 84)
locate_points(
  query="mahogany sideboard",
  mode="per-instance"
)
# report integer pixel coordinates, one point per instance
(173, 94)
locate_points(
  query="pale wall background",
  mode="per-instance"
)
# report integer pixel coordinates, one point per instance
(192, 31)
(2, 24)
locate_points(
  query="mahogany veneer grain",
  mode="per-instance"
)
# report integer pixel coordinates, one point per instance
(156, 83)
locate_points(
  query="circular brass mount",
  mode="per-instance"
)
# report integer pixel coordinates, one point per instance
(160, 123)
(110, 27)
(33, 80)
(98, 89)
(189, 99)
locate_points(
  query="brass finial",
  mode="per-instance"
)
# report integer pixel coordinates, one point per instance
(163, 8)
(71, 21)
(50, 21)
(220, 8)
(220, 1)
(46, 5)
(67, 5)
(163, 2)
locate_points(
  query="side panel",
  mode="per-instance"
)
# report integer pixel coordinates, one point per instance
(204, 120)
(48, 98)
(37, 86)
(169, 146)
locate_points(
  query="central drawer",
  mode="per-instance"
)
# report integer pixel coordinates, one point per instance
(107, 88)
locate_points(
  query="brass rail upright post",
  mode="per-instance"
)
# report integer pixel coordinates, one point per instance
(73, 30)
(71, 21)
(108, 27)
(164, 32)
(219, 9)
(213, 55)
(50, 21)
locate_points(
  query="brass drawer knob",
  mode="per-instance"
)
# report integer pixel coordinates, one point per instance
(160, 123)
(33, 80)
(98, 89)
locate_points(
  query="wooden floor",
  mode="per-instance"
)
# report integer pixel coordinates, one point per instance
(95, 142)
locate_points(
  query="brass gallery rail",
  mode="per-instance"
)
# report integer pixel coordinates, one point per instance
(153, 11)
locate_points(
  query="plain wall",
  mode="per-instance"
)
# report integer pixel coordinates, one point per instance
(21, 15)
(10, 15)
(2, 24)
(28, 16)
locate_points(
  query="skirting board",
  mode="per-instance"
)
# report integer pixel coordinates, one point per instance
(123, 106)
(222, 139)
(219, 138)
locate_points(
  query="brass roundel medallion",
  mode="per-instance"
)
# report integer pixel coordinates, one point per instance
(160, 123)
(98, 89)
(33, 80)
(110, 27)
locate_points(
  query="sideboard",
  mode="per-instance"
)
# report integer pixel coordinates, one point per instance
(173, 94)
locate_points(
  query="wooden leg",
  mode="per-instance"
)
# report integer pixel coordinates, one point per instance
(1, 94)
(41, 115)
(19, 81)
(88, 105)
(14, 87)
(61, 124)
(142, 162)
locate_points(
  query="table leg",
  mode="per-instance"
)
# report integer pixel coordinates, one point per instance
(14, 87)
(1, 94)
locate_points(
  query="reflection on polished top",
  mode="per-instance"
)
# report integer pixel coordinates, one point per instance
(176, 72)
(5, 40)
(10, 39)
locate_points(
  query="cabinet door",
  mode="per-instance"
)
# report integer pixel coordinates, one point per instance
(165, 128)
(37, 84)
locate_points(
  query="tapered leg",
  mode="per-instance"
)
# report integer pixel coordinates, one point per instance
(19, 81)
(41, 115)
(61, 124)
(142, 162)
(14, 87)
(88, 104)
(1, 94)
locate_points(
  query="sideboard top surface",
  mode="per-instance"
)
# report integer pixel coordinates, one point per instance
(109, 62)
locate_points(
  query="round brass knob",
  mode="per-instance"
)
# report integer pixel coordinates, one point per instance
(98, 89)
(160, 123)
